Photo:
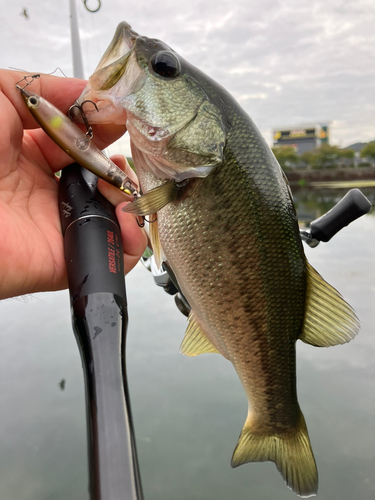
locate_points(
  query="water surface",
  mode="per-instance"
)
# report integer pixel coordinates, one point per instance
(188, 412)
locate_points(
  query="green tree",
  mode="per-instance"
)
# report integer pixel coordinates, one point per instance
(286, 156)
(328, 156)
(369, 151)
(347, 153)
(310, 158)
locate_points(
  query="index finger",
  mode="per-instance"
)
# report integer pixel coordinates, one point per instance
(61, 92)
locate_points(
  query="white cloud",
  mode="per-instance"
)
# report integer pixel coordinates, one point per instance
(245, 97)
(292, 61)
(244, 70)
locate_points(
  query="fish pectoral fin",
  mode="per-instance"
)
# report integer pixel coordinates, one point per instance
(156, 199)
(290, 451)
(155, 241)
(329, 319)
(195, 341)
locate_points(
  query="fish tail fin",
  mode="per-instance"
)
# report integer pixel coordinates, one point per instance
(290, 451)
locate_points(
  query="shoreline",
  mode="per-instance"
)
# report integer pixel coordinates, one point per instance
(302, 178)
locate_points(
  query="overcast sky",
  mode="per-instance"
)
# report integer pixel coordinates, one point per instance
(287, 62)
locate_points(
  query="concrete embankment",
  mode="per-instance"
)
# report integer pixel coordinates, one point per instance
(303, 178)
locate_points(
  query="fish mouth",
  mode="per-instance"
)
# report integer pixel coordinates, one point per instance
(106, 87)
(113, 63)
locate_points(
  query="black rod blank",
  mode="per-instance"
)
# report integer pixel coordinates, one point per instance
(94, 259)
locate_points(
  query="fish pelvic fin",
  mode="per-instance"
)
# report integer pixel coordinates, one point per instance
(155, 241)
(195, 341)
(156, 199)
(329, 319)
(290, 451)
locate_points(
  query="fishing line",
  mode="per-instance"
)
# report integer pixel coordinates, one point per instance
(52, 72)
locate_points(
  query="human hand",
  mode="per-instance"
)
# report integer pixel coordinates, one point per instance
(31, 243)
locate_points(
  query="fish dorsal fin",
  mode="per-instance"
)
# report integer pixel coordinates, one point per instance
(155, 240)
(329, 320)
(195, 341)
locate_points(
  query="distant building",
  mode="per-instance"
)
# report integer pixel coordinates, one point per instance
(301, 137)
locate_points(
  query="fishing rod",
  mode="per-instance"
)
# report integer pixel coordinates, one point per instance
(94, 257)
(352, 206)
(95, 268)
(94, 260)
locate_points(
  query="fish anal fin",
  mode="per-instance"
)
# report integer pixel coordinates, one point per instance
(195, 341)
(329, 319)
(290, 451)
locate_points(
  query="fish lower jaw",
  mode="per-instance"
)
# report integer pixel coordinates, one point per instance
(98, 110)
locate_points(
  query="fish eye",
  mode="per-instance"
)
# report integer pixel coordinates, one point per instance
(165, 64)
(33, 102)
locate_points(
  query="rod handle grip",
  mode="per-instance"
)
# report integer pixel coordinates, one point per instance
(352, 206)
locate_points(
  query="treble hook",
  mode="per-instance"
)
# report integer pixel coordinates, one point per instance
(141, 223)
(90, 10)
(89, 132)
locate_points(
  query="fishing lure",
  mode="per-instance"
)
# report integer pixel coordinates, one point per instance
(72, 140)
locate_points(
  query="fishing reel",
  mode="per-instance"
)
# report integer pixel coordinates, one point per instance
(165, 278)
(352, 206)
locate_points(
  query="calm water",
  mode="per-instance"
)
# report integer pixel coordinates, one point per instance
(188, 412)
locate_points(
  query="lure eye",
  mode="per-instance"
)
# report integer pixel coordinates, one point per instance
(166, 64)
(33, 102)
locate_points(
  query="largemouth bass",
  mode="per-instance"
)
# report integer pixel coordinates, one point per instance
(227, 227)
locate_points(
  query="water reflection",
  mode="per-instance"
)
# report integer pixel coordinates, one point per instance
(312, 203)
(188, 412)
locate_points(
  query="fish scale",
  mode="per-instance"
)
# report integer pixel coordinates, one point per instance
(238, 248)
(255, 299)
(227, 227)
